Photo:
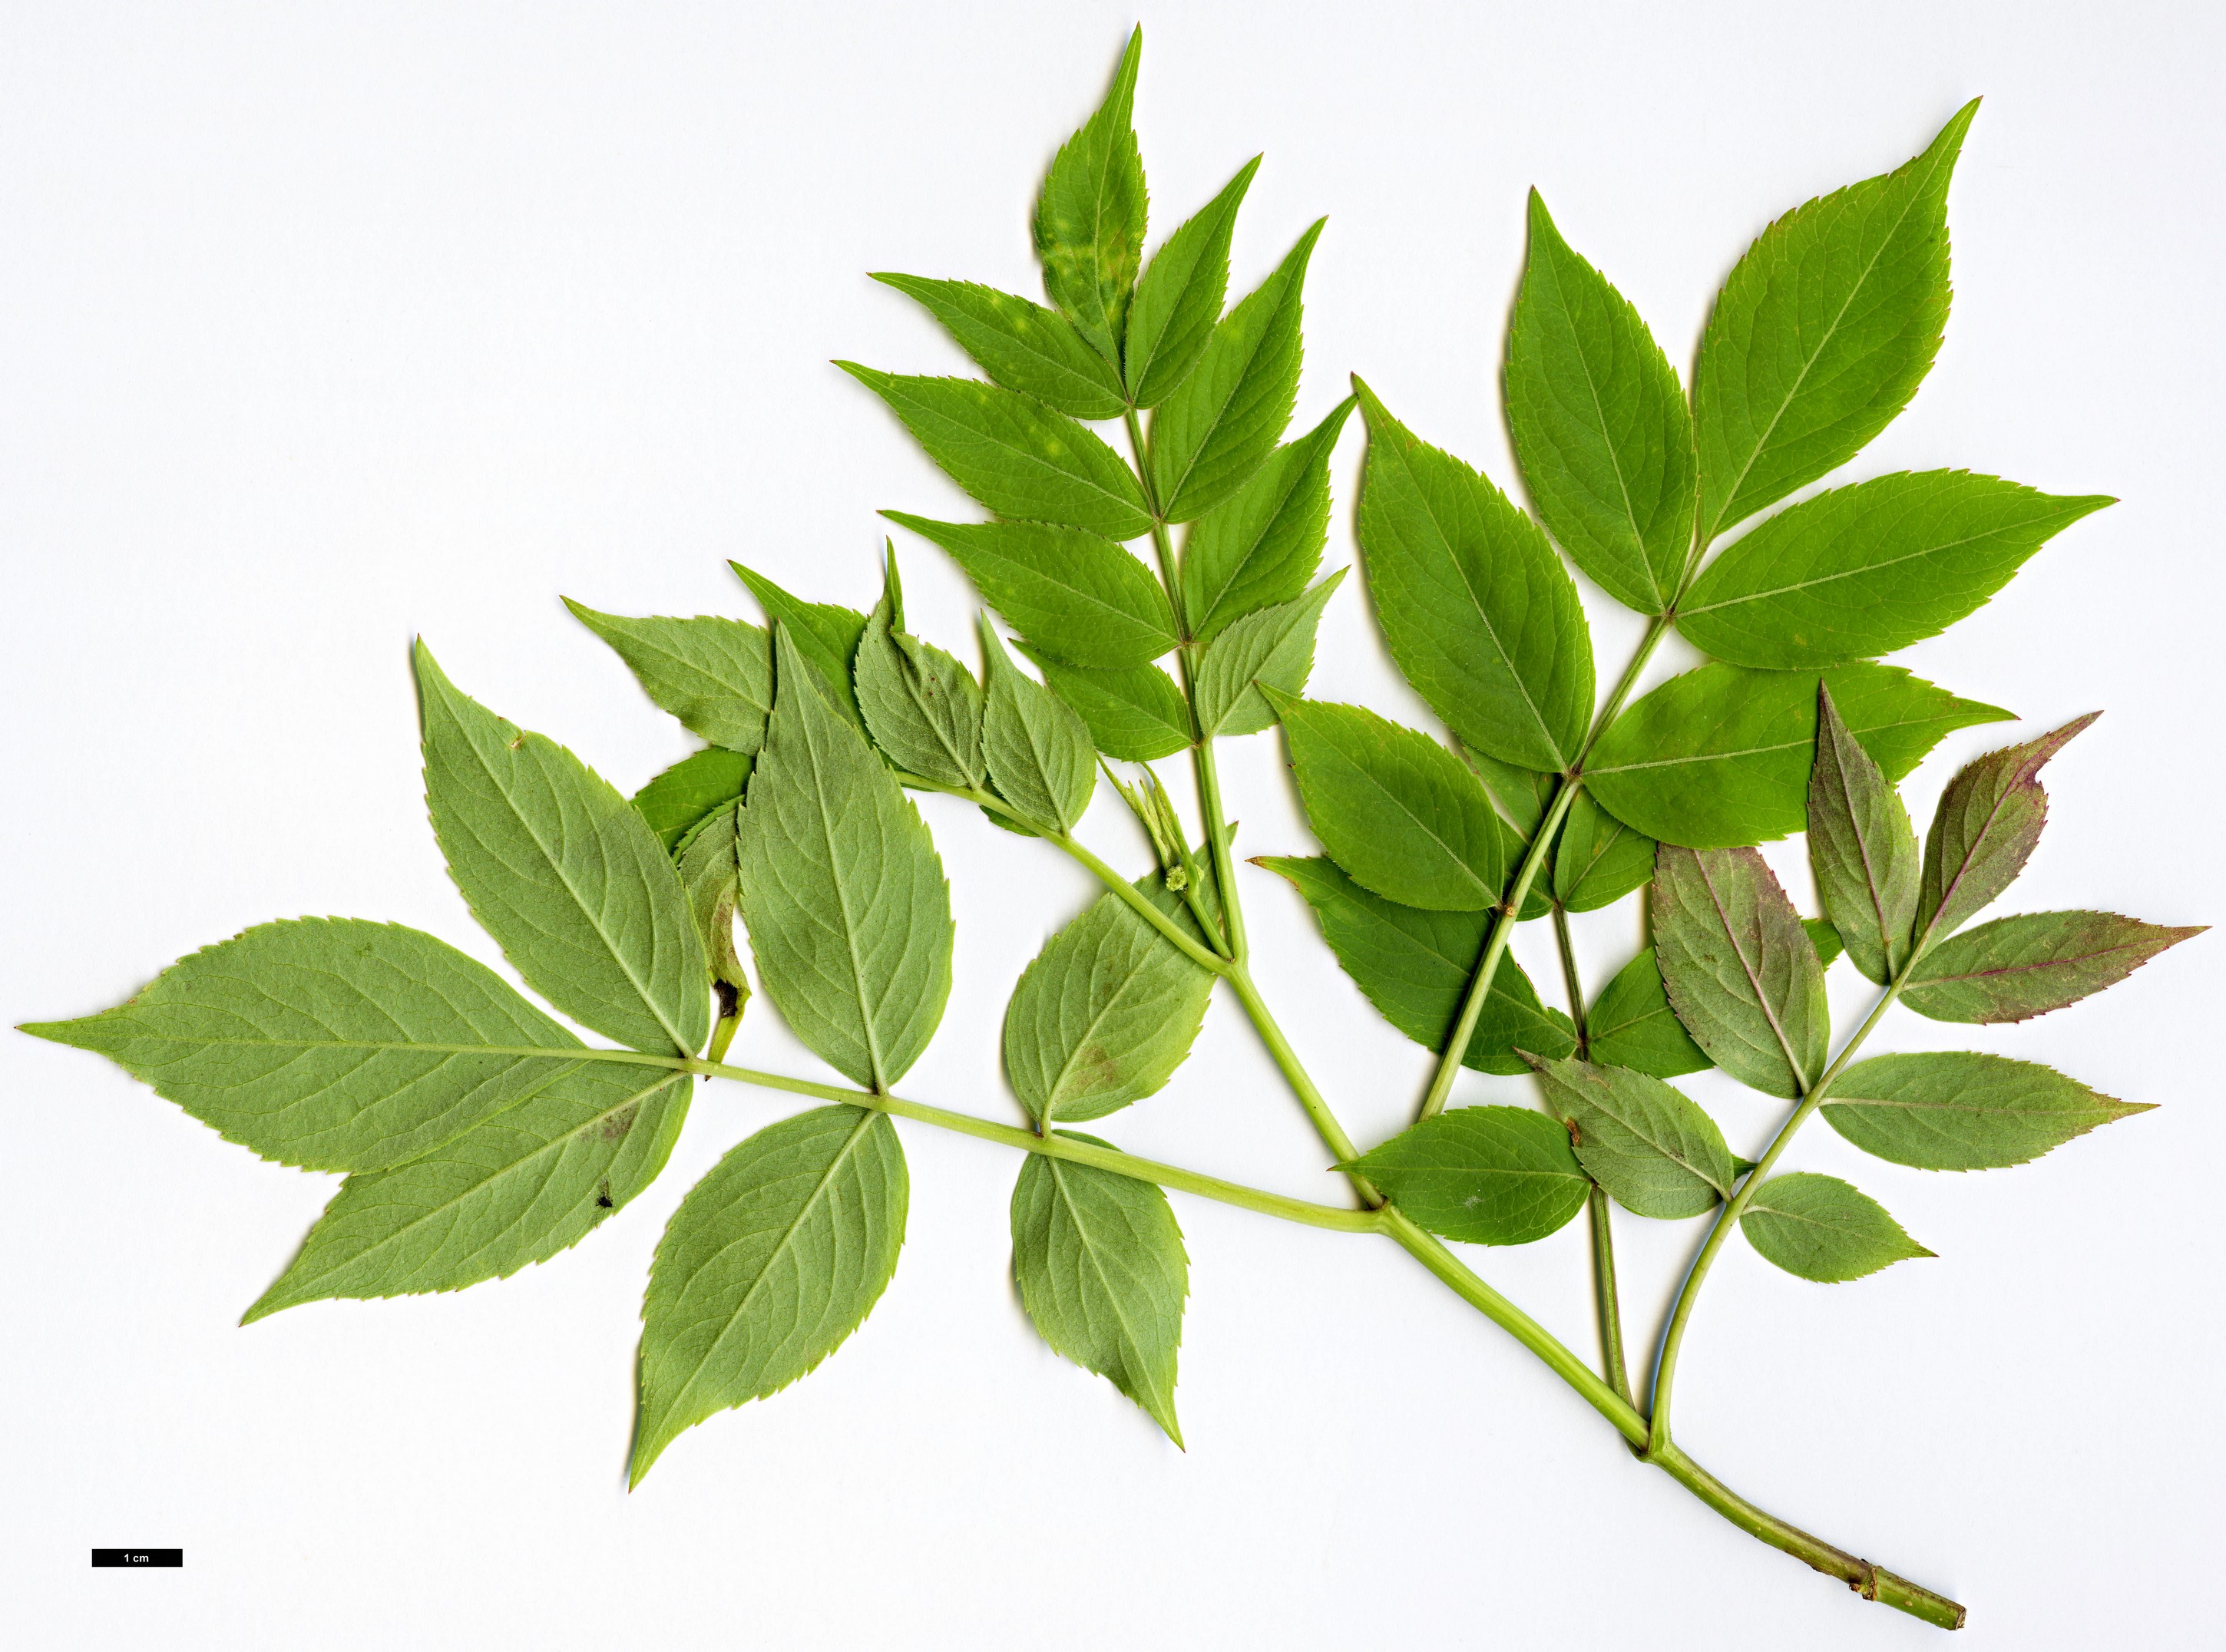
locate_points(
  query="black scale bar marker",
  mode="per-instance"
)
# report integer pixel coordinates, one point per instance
(139, 1557)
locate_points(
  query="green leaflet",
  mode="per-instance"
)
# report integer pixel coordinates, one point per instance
(691, 789)
(1489, 1175)
(923, 708)
(2016, 967)
(1104, 1014)
(1274, 648)
(1600, 860)
(1261, 545)
(1415, 967)
(1987, 823)
(709, 865)
(1103, 1274)
(1179, 300)
(1864, 571)
(1720, 756)
(1135, 715)
(1039, 751)
(1822, 333)
(768, 1264)
(332, 1044)
(1632, 1024)
(842, 891)
(1216, 429)
(1825, 939)
(1474, 606)
(519, 1187)
(827, 634)
(1015, 455)
(1401, 814)
(1090, 219)
(1655, 1151)
(1023, 346)
(1957, 1110)
(714, 675)
(1600, 425)
(1861, 849)
(1521, 796)
(1819, 1227)
(1740, 970)
(563, 873)
(1073, 594)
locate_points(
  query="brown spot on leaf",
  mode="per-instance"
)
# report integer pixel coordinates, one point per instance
(614, 1128)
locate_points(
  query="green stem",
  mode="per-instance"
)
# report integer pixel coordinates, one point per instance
(1076, 850)
(1302, 1084)
(1872, 1581)
(1673, 1334)
(1059, 1147)
(1503, 928)
(1605, 1296)
(1604, 1291)
(1570, 984)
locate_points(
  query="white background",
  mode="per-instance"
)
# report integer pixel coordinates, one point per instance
(325, 326)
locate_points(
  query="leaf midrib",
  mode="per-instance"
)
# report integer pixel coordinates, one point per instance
(1429, 512)
(1934, 549)
(1754, 981)
(540, 745)
(553, 1144)
(788, 1236)
(1731, 493)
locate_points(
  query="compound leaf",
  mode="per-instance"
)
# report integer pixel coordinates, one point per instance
(1740, 968)
(842, 891)
(1820, 1228)
(1720, 756)
(768, 1264)
(1474, 606)
(563, 873)
(1488, 1175)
